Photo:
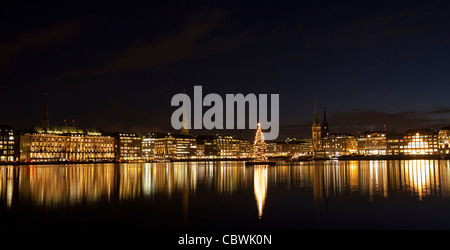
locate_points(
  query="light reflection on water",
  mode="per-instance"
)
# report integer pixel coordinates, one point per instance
(71, 184)
(60, 186)
(260, 181)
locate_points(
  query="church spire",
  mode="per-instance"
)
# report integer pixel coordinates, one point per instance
(45, 120)
(316, 115)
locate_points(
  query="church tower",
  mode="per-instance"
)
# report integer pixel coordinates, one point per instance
(325, 130)
(316, 131)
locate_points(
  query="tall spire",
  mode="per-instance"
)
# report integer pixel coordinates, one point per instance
(45, 120)
(316, 115)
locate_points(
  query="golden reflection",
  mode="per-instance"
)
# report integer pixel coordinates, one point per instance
(444, 177)
(373, 179)
(321, 184)
(66, 185)
(420, 177)
(260, 187)
(6, 186)
(69, 185)
(130, 181)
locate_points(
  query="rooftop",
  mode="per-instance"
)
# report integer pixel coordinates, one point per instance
(420, 131)
(65, 130)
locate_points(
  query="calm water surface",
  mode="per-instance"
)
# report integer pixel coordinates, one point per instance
(410, 194)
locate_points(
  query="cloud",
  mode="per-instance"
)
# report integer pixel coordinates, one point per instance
(112, 128)
(38, 40)
(440, 111)
(190, 42)
(119, 116)
(365, 118)
(361, 120)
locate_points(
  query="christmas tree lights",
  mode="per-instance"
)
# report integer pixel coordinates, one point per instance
(259, 146)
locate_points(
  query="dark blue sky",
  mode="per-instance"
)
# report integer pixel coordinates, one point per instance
(116, 67)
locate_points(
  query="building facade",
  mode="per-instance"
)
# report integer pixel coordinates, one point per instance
(61, 143)
(228, 146)
(175, 146)
(245, 148)
(336, 145)
(393, 143)
(128, 147)
(372, 143)
(277, 148)
(420, 142)
(207, 146)
(444, 141)
(9, 144)
(148, 146)
(222, 146)
(299, 147)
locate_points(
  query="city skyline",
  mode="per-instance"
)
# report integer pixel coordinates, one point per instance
(224, 123)
(370, 65)
(238, 133)
(46, 143)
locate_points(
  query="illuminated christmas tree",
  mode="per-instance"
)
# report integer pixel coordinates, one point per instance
(259, 146)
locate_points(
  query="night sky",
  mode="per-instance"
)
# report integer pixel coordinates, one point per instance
(116, 67)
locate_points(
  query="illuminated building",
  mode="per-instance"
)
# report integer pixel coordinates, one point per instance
(175, 146)
(9, 144)
(128, 147)
(245, 148)
(148, 146)
(207, 146)
(222, 146)
(298, 147)
(393, 143)
(228, 146)
(372, 143)
(290, 147)
(63, 143)
(45, 143)
(420, 142)
(200, 150)
(277, 148)
(444, 141)
(340, 144)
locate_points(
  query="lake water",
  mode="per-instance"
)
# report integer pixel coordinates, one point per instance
(409, 194)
